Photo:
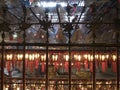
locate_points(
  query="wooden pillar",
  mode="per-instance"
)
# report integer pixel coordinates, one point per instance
(2, 62)
(24, 69)
(69, 51)
(47, 51)
(94, 66)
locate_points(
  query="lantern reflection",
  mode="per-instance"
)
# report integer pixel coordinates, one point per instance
(82, 85)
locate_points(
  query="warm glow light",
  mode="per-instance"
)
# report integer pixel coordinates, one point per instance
(15, 35)
(79, 57)
(26, 55)
(9, 56)
(75, 56)
(33, 56)
(18, 88)
(85, 56)
(43, 57)
(103, 57)
(114, 57)
(66, 57)
(60, 64)
(14, 85)
(54, 57)
(72, 64)
(20, 56)
(42, 36)
(30, 57)
(6, 88)
(96, 56)
(36, 55)
(107, 56)
(91, 58)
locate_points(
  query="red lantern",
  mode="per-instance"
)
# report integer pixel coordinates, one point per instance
(103, 64)
(114, 66)
(55, 65)
(36, 64)
(8, 66)
(31, 66)
(91, 66)
(66, 66)
(86, 64)
(43, 67)
(78, 65)
(26, 63)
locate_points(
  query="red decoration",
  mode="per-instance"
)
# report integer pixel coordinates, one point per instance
(86, 64)
(43, 67)
(26, 63)
(114, 66)
(56, 65)
(79, 65)
(8, 65)
(13, 63)
(66, 66)
(31, 66)
(91, 66)
(36, 64)
(97, 64)
(104, 66)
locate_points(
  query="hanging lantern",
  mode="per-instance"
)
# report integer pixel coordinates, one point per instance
(103, 63)
(36, 64)
(19, 56)
(66, 62)
(114, 65)
(43, 67)
(55, 58)
(66, 66)
(79, 57)
(43, 57)
(86, 64)
(91, 62)
(78, 65)
(9, 63)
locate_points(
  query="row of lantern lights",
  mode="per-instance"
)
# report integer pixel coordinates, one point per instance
(83, 85)
(56, 57)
